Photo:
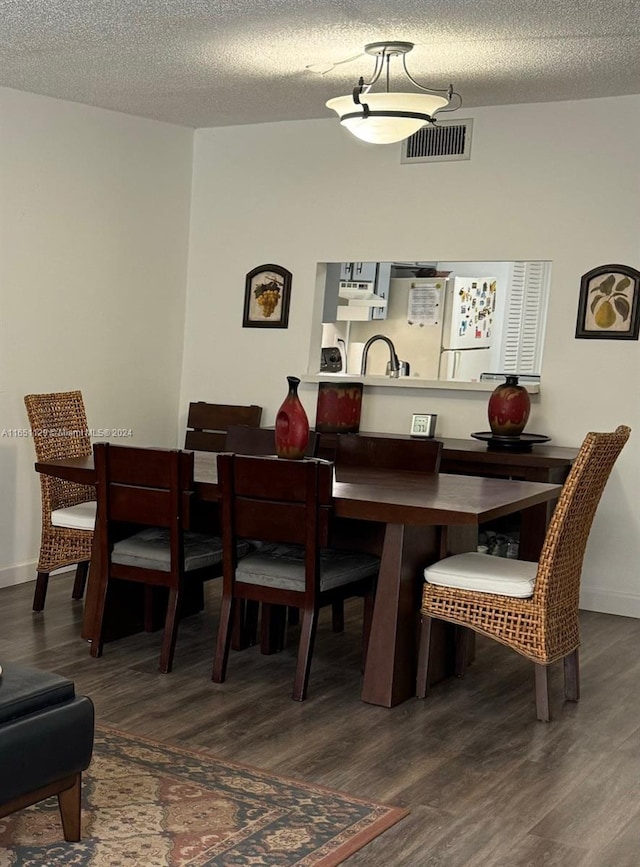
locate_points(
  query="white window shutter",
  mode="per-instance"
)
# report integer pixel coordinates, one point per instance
(525, 318)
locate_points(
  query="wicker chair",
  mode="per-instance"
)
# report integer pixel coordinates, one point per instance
(59, 429)
(530, 607)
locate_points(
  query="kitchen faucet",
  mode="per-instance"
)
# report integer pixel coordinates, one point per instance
(394, 364)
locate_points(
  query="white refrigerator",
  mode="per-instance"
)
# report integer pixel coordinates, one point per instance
(468, 328)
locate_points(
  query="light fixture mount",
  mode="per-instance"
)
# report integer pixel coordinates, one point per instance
(393, 49)
(382, 118)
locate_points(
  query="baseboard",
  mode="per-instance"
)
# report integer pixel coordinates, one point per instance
(11, 575)
(610, 602)
(24, 572)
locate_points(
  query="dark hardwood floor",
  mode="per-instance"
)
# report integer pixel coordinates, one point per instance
(485, 782)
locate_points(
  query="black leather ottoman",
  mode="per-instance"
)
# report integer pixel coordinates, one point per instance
(46, 741)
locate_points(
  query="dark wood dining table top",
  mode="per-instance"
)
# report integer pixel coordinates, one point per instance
(376, 494)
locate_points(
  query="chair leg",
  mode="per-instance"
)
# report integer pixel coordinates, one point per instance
(252, 609)
(273, 627)
(223, 643)
(572, 676)
(337, 615)
(80, 580)
(245, 624)
(542, 692)
(40, 594)
(422, 678)
(148, 618)
(69, 803)
(305, 651)
(293, 615)
(462, 650)
(170, 630)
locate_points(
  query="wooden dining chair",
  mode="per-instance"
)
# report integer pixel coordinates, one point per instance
(207, 424)
(59, 430)
(245, 440)
(285, 506)
(530, 607)
(151, 488)
(390, 453)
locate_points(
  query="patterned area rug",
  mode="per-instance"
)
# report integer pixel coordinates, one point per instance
(146, 804)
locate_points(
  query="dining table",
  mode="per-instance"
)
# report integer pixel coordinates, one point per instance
(411, 519)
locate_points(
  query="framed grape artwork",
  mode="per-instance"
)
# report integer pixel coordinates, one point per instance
(266, 297)
(609, 306)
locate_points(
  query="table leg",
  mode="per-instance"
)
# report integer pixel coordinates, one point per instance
(390, 671)
(533, 528)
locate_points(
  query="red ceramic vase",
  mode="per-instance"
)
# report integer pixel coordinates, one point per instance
(508, 409)
(292, 424)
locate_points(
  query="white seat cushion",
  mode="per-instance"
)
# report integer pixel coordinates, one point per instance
(282, 566)
(483, 573)
(79, 517)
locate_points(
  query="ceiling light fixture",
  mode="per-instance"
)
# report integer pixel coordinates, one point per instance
(383, 118)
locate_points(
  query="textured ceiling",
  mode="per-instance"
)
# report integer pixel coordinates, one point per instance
(218, 62)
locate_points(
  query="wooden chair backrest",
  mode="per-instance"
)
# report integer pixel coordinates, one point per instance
(421, 455)
(244, 440)
(274, 500)
(207, 424)
(148, 487)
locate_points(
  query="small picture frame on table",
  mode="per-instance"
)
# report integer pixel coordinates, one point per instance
(266, 297)
(609, 306)
(423, 425)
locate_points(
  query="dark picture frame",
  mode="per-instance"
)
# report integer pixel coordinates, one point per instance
(267, 295)
(609, 305)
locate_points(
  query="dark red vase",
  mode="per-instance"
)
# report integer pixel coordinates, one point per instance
(292, 424)
(338, 408)
(508, 409)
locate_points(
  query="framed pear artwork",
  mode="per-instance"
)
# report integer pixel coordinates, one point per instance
(609, 306)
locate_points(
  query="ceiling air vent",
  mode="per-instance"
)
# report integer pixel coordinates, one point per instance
(449, 140)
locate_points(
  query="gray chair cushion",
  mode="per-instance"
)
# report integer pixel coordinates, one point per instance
(150, 549)
(273, 565)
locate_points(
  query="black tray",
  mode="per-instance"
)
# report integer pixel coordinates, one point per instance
(524, 442)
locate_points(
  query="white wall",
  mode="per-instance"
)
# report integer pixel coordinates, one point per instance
(554, 181)
(94, 221)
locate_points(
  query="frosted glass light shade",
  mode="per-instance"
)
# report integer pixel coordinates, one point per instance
(385, 123)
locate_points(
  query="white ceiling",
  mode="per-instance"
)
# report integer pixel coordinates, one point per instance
(207, 63)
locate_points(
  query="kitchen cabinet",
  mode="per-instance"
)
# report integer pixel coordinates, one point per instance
(359, 271)
(338, 307)
(331, 286)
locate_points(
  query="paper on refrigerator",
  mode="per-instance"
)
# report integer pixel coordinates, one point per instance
(425, 303)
